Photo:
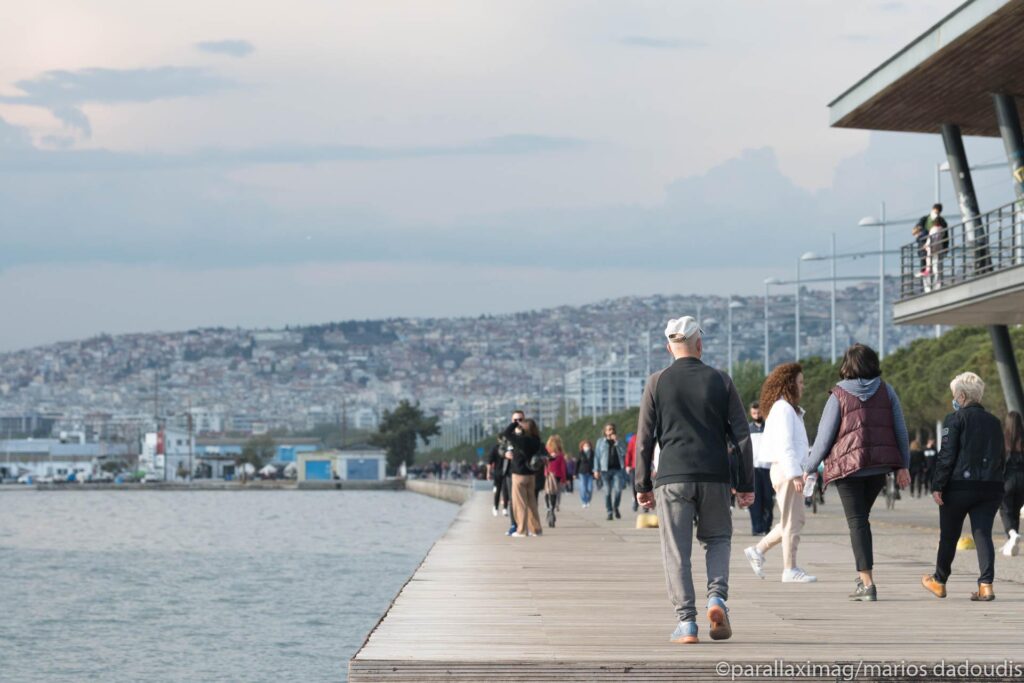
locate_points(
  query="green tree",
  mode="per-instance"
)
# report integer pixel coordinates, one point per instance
(748, 376)
(258, 451)
(399, 430)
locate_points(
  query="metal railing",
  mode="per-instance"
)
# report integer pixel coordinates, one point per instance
(976, 247)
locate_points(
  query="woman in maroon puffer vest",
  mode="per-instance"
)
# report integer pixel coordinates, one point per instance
(862, 438)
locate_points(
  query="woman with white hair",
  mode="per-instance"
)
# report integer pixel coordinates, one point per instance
(968, 482)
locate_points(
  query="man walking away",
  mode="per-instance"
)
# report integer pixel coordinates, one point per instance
(608, 467)
(762, 510)
(694, 412)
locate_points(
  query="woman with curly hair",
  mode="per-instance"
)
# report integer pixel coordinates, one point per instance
(784, 441)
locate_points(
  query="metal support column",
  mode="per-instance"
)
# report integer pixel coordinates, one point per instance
(976, 244)
(1013, 141)
(1006, 363)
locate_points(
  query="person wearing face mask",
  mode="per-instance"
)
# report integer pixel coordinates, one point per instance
(585, 471)
(968, 482)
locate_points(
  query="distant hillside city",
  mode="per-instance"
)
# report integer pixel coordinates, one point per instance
(559, 363)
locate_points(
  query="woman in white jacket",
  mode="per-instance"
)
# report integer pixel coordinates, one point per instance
(784, 442)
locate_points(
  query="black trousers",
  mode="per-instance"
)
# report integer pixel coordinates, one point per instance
(1013, 500)
(762, 511)
(501, 492)
(980, 504)
(858, 494)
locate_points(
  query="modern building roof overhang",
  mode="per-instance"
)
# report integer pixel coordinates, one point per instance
(947, 75)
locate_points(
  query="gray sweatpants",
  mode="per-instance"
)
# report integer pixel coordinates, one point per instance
(679, 506)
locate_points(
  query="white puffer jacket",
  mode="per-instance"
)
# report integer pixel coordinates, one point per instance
(784, 441)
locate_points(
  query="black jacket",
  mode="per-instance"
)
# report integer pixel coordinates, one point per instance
(585, 462)
(973, 450)
(524, 447)
(694, 412)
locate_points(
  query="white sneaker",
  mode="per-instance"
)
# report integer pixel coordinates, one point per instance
(756, 560)
(504, 512)
(1010, 547)
(797, 575)
(494, 512)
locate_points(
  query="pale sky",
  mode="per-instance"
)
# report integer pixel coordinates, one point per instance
(170, 165)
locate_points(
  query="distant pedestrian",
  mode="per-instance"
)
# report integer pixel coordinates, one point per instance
(968, 482)
(585, 471)
(524, 436)
(762, 511)
(570, 473)
(862, 437)
(609, 467)
(497, 467)
(1013, 491)
(693, 411)
(917, 471)
(631, 468)
(554, 477)
(785, 442)
(930, 451)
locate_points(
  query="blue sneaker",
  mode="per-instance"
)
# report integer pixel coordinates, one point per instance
(686, 632)
(511, 530)
(718, 615)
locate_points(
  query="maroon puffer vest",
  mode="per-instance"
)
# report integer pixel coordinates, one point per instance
(867, 435)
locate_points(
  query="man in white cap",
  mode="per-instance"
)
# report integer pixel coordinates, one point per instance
(693, 412)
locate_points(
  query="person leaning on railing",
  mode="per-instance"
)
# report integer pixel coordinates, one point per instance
(968, 482)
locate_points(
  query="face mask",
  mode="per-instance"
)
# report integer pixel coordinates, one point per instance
(956, 404)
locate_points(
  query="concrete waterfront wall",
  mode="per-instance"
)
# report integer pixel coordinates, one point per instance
(453, 492)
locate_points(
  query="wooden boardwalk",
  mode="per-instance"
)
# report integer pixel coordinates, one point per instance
(587, 601)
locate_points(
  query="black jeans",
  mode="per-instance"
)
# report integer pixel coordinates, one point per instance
(762, 511)
(501, 492)
(858, 494)
(980, 504)
(1013, 500)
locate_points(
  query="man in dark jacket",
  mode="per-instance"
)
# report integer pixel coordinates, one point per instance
(694, 412)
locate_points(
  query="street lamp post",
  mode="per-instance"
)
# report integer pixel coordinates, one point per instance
(796, 341)
(767, 283)
(833, 298)
(870, 221)
(732, 305)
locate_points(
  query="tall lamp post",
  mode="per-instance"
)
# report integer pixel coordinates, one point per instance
(871, 221)
(767, 283)
(732, 305)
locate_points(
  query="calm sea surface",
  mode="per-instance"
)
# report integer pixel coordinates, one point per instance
(204, 585)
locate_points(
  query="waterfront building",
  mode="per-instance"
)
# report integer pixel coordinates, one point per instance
(361, 463)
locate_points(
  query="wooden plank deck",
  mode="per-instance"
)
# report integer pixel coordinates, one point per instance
(587, 601)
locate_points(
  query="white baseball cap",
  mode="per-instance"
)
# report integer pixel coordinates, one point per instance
(681, 329)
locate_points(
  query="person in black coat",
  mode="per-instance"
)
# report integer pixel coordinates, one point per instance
(968, 482)
(524, 437)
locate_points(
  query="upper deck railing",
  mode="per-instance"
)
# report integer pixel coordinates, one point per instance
(976, 247)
